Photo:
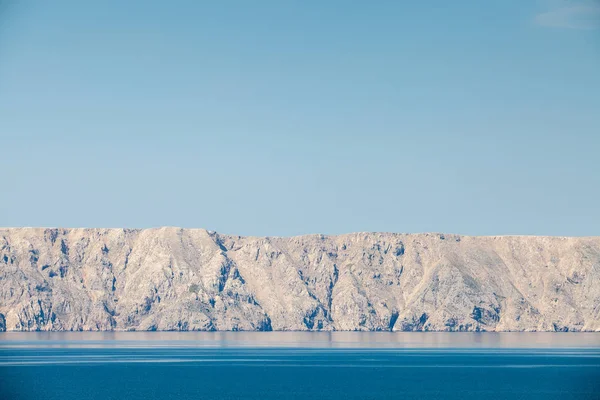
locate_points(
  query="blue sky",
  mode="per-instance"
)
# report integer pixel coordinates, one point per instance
(293, 117)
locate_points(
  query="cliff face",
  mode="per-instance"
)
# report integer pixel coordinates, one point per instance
(192, 279)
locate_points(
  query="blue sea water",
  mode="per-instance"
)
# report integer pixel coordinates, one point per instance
(237, 365)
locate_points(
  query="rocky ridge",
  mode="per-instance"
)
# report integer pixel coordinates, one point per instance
(193, 279)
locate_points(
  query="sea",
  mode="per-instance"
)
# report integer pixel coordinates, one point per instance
(299, 365)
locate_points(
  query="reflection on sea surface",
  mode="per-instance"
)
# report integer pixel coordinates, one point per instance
(440, 340)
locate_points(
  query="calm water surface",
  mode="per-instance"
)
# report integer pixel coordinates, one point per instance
(293, 365)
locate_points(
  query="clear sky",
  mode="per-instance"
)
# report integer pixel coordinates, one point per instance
(292, 117)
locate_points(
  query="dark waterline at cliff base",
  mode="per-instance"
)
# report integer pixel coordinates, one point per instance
(299, 365)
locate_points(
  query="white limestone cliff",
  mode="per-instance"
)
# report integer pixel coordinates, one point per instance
(193, 279)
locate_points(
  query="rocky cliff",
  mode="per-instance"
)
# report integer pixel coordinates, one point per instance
(193, 279)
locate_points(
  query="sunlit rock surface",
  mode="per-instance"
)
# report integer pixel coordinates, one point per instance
(193, 279)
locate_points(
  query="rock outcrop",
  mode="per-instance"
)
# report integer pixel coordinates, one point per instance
(193, 279)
